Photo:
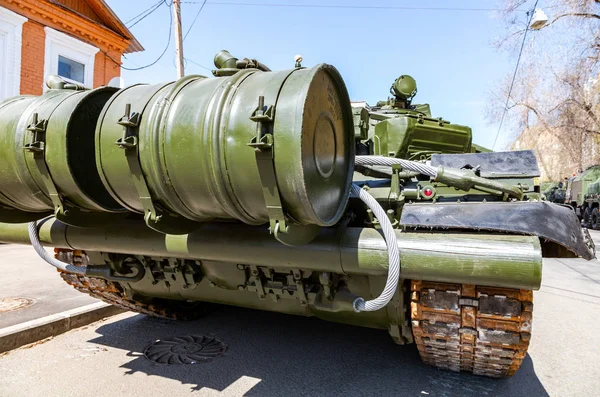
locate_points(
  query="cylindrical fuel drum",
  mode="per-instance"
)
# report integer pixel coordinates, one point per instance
(47, 153)
(188, 145)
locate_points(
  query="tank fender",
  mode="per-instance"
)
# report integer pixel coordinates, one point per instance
(549, 221)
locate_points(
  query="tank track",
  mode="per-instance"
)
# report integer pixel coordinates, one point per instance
(461, 327)
(112, 293)
(458, 327)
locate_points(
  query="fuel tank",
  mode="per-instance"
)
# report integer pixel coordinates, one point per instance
(255, 146)
(47, 152)
(195, 140)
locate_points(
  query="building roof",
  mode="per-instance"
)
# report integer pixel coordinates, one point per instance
(98, 12)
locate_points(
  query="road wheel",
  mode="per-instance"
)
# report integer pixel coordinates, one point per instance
(594, 219)
(586, 217)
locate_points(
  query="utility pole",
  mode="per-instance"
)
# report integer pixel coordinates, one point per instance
(178, 38)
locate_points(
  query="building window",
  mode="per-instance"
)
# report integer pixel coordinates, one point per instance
(70, 58)
(11, 29)
(71, 70)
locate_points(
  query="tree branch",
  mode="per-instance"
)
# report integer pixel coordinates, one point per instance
(546, 126)
(584, 129)
(586, 108)
(572, 14)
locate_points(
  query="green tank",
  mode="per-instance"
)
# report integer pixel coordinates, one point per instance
(262, 189)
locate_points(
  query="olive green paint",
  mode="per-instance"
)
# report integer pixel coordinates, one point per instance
(486, 259)
(398, 128)
(578, 185)
(45, 144)
(410, 136)
(194, 157)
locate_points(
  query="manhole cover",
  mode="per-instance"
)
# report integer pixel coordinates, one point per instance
(185, 349)
(11, 304)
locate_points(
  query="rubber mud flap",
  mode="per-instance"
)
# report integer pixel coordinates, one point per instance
(549, 221)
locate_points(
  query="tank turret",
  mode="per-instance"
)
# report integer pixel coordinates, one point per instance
(396, 127)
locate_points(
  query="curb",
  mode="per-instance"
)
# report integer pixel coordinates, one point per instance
(35, 330)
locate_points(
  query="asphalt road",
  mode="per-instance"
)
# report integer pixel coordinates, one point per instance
(278, 355)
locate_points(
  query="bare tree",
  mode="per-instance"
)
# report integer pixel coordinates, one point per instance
(556, 89)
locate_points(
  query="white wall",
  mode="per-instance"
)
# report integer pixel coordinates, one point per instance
(58, 43)
(11, 32)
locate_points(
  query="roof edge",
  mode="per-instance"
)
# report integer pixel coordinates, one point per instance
(134, 44)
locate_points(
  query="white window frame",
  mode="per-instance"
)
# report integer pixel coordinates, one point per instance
(58, 43)
(11, 34)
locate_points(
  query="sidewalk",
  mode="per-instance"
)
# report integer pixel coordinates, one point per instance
(25, 275)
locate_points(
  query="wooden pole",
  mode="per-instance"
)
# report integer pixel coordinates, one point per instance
(178, 38)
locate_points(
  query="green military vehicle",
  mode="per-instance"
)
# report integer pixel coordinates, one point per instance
(247, 190)
(582, 200)
(592, 200)
(554, 192)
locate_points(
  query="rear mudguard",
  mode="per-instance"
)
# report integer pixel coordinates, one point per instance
(551, 222)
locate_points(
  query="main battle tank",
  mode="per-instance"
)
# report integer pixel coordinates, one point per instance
(246, 190)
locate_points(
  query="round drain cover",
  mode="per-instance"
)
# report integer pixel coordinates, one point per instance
(185, 349)
(11, 304)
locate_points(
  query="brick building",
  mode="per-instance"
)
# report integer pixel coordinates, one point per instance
(81, 40)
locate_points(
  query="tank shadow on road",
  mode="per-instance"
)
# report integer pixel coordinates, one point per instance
(295, 356)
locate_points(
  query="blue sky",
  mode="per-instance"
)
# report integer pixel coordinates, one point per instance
(449, 53)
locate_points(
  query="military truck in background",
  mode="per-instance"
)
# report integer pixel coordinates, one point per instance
(592, 202)
(583, 202)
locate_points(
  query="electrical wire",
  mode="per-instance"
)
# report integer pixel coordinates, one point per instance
(144, 14)
(157, 59)
(194, 21)
(512, 83)
(197, 64)
(227, 3)
(153, 8)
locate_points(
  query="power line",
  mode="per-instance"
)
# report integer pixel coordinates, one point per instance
(197, 64)
(512, 83)
(157, 59)
(144, 14)
(227, 3)
(194, 21)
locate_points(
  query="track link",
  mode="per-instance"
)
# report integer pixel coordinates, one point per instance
(113, 293)
(462, 327)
